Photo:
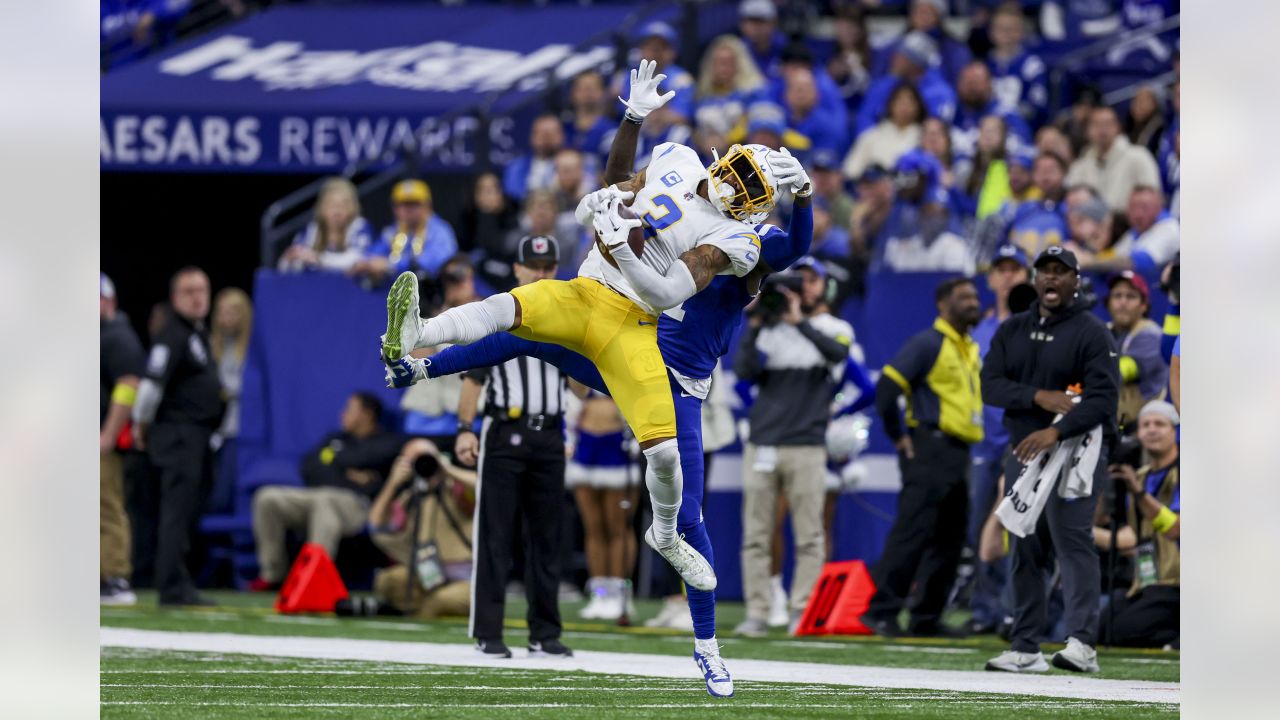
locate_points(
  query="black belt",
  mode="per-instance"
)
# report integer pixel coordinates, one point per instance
(533, 422)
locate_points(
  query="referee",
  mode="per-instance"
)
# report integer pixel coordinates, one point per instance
(521, 455)
(938, 370)
(179, 405)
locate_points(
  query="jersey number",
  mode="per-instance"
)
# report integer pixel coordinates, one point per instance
(672, 213)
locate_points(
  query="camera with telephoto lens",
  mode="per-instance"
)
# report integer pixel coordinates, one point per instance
(772, 304)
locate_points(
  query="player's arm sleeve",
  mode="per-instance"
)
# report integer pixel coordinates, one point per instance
(998, 389)
(780, 249)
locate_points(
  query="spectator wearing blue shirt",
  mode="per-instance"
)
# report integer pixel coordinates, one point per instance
(875, 203)
(1032, 225)
(535, 170)
(766, 124)
(728, 83)
(758, 25)
(1148, 614)
(656, 41)
(977, 100)
(830, 241)
(588, 130)
(337, 236)
(926, 18)
(817, 127)
(920, 233)
(829, 117)
(1019, 76)
(1008, 270)
(913, 62)
(418, 240)
(1150, 243)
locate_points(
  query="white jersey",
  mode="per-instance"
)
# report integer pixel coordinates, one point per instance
(676, 220)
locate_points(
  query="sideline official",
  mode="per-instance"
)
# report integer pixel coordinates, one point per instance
(1034, 357)
(520, 449)
(178, 407)
(938, 371)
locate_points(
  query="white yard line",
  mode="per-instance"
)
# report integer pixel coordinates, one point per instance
(645, 665)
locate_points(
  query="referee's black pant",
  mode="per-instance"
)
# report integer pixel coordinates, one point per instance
(928, 534)
(521, 472)
(181, 453)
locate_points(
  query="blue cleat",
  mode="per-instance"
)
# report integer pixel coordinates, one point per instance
(406, 371)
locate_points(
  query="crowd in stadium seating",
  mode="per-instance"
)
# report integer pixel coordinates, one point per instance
(928, 152)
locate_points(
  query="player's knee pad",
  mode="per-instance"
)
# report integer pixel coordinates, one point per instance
(664, 458)
(502, 310)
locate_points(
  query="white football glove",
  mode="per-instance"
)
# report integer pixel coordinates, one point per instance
(790, 173)
(611, 227)
(599, 200)
(644, 98)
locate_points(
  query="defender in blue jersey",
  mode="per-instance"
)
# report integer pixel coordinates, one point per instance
(691, 337)
(693, 331)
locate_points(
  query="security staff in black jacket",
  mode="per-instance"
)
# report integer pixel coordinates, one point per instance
(938, 370)
(1034, 357)
(179, 405)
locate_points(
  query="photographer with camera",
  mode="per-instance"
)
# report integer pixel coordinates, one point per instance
(1147, 615)
(792, 351)
(422, 520)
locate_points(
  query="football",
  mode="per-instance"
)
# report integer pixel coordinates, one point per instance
(635, 238)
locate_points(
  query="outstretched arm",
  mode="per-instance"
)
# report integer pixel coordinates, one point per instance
(682, 280)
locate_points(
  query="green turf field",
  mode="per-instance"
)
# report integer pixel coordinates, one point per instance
(138, 683)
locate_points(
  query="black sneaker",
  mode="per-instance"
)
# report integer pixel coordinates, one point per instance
(492, 648)
(884, 627)
(549, 648)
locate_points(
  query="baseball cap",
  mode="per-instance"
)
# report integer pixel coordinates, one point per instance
(410, 191)
(809, 261)
(825, 159)
(766, 116)
(919, 48)
(538, 247)
(1138, 282)
(1023, 156)
(873, 172)
(757, 10)
(1162, 408)
(1010, 252)
(106, 288)
(1059, 254)
(657, 29)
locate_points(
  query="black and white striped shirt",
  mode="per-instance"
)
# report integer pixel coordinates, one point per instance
(523, 386)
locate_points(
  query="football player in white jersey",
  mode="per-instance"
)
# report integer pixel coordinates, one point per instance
(698, 222)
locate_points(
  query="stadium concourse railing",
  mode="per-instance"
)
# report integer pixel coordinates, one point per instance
(286, 216)
(1075, 64)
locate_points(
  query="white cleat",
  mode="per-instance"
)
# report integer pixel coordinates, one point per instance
(1076, 657)
(707, 654)
(689, 563)
(1018, 662)
(403, 317)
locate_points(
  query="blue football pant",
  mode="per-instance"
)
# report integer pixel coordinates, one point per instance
(500, 347)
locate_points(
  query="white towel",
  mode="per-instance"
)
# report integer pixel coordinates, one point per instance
(1069, 465)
